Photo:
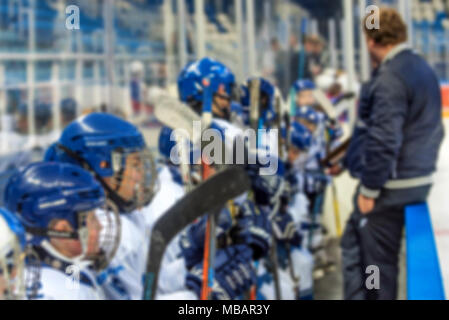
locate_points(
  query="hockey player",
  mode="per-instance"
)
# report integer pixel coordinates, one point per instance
(222, 82)
(286, 234)
(72, 230)
(172, 188)
(303, 90)
(115, 152)
(313, 120)
(169, 176)
(299, 142)
(12, 264)
(314, 179)
(191, 88)
(223, 85)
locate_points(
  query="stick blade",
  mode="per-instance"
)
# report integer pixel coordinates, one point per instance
(175, 114)
(325, 103)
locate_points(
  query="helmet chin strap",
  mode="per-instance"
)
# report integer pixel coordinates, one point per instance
(78, 260)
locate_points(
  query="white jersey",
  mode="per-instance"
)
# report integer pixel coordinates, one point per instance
(231, 131)
(57, 285)
(168, 194)
(173, 271)
(123, 278)
(317, 150)
(298, 208)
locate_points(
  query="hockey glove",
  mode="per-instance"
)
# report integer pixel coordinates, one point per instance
(253, 229)
(233, 276)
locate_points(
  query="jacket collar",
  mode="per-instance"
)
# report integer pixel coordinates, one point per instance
(395, 51)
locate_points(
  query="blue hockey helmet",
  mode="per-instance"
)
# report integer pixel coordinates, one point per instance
(308, 114)
(191, 80)
(300, 136)
(45, 192)
(304, 84)
(107, 146)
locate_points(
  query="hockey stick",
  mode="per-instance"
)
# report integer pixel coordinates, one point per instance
(209, 238)
(336, 155)
(281, 154)
(176, 115)
(256, 124)
(325, 103)
(254, 115)
(206, 197)
(278, 109)
(183, 148)
(254, 112)
(336, 209)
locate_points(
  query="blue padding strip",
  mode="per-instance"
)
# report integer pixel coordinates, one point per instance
(424, 280)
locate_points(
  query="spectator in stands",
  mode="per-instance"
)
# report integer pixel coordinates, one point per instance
(403, 135)
(287, 64)
(306, 63)
(319, 57)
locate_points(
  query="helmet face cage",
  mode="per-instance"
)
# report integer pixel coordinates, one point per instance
(99, 234)
(110, 234)
(134, 179)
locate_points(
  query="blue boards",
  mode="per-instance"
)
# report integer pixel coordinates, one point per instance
(424, 280)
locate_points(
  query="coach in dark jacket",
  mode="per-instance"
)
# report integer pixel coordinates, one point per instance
(354, 160)
(397, 155)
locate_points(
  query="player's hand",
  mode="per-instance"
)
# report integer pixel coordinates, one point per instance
(366, 205)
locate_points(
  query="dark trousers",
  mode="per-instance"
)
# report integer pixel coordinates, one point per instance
(375, 240)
